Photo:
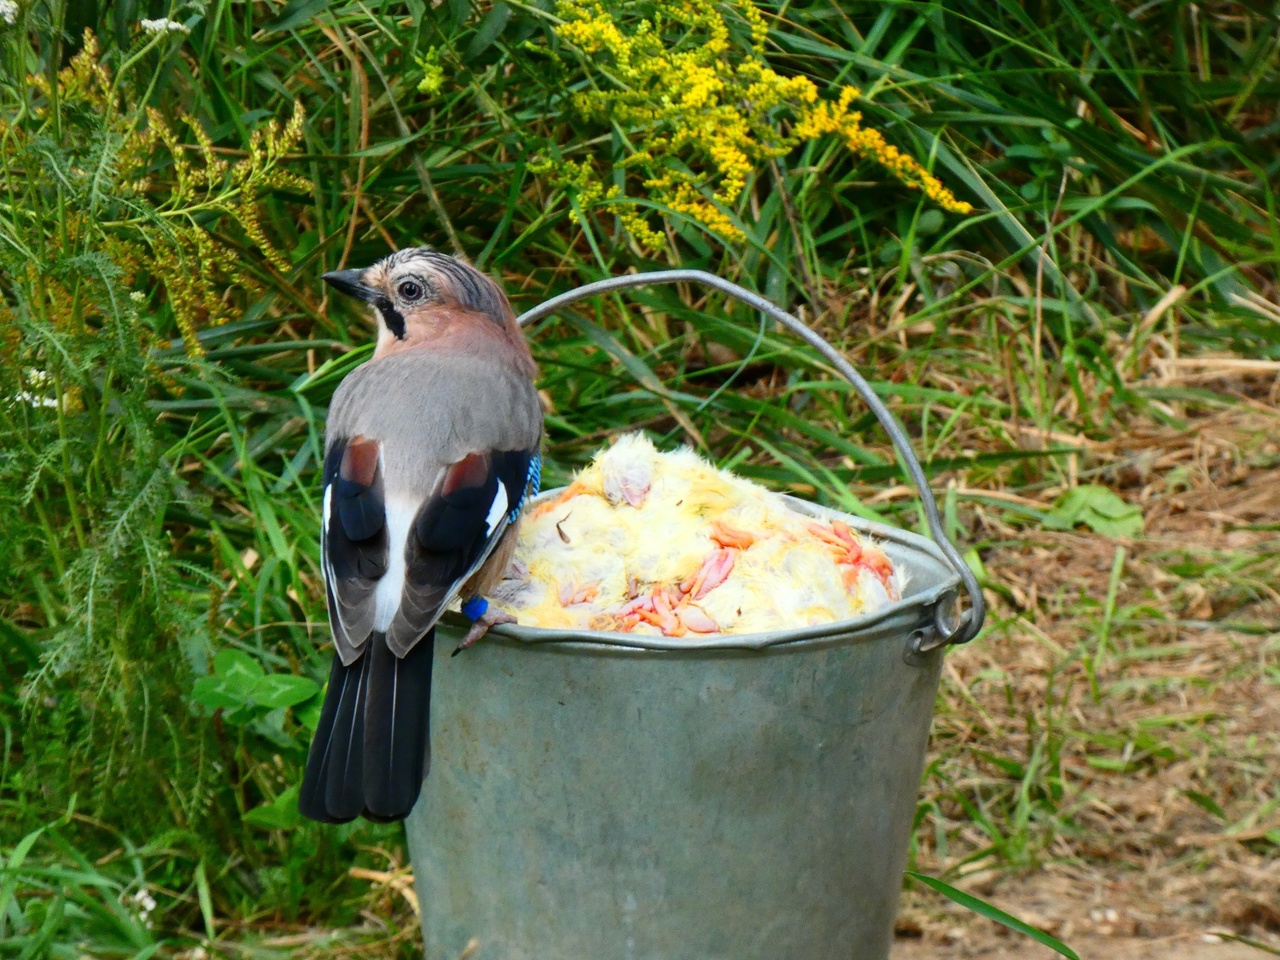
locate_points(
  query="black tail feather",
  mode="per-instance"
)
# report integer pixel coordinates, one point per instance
(342, 773)
(311, 797)
(329, 792)
(371, 748)
(396, 739)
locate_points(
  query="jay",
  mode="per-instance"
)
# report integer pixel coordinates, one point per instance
(431, 449)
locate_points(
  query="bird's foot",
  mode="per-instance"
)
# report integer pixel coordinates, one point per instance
(714, 571)
(483, 619)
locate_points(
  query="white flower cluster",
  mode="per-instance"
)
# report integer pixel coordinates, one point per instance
(9, 11)
(163, 25)
(143, 903)
(40, 381)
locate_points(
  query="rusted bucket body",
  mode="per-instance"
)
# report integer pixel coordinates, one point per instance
(726, 798)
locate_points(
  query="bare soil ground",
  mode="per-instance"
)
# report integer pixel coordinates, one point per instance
(1089, 948)
(1116, 736)
(1102, 915)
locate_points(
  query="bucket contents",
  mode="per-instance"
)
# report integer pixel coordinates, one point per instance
(665, 543)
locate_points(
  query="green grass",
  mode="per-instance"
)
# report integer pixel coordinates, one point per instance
(164, 511)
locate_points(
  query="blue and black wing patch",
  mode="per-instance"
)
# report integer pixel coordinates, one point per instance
(533, 484)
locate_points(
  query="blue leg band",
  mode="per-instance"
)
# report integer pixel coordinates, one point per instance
(475, 608)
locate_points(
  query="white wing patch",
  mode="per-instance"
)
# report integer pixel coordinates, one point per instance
(401, 511)
(400, 515)
(325, 567)
(497, 510)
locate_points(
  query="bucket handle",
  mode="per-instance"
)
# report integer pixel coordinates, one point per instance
(967, 625)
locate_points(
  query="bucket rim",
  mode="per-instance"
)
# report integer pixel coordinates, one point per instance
(927, 599)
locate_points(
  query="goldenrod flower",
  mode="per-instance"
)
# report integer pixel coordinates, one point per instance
(432, 72)
(702, 122)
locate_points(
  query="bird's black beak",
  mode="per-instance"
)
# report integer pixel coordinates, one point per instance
(348, 282)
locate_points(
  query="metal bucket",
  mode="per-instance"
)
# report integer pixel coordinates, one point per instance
(598, 796)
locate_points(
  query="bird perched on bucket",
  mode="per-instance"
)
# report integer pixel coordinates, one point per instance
(432, 447)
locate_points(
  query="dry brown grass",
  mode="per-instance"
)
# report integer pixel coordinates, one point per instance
(1124, 758)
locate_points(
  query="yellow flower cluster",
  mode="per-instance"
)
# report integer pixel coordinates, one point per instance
(590, 190)
(432, 72)
(701, 116)
(837, 118)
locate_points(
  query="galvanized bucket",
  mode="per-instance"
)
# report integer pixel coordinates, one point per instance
(598, 796)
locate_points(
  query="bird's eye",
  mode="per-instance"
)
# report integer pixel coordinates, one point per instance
(409, 290)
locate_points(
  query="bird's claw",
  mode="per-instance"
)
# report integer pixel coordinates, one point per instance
(490, 618)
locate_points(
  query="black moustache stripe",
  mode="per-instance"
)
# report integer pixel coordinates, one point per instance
(390, 316)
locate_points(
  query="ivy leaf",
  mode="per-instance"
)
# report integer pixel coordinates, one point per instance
(1101, 510)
